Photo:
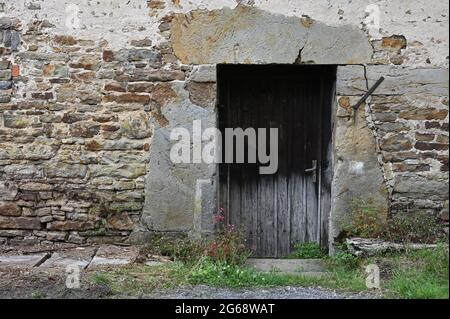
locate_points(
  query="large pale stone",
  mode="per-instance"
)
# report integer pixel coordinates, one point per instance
(170, 198)
(249, 35)
(357, 172)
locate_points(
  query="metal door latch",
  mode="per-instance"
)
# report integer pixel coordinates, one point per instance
(313, 170)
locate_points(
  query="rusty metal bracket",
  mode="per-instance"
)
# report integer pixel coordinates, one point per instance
(367, 94)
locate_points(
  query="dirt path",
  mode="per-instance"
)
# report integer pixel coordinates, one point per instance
(31, 274)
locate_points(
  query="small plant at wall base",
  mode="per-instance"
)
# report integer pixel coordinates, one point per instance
(176, 249)
(307, 251)
(367, 220)
(364, 220)
(417, 227)
(228, 246)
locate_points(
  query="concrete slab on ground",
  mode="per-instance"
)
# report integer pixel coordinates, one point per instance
(306, 267)
(111, 255)
(23, 261)
(79, 256)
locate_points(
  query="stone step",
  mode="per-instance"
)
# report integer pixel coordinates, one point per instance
(304, 267)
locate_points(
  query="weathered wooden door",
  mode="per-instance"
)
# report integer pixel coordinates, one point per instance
(276, 211)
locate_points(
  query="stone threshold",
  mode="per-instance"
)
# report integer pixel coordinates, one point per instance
(303, 267)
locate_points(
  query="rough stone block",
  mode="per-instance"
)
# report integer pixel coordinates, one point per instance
(8, 190)
(396, 142)
(65, 170)
(203, 73)
(19, 223)
(70, 225)
(202, 94)
(9, 209)
(5, 75)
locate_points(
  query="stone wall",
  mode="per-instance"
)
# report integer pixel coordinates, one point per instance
(89, 91)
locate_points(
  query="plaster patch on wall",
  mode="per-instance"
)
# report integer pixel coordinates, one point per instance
(249, 35)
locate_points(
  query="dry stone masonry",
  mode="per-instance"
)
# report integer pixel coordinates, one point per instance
(89, 91)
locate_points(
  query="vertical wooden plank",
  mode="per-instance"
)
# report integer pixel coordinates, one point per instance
(311, 155)
(255, 99)
(227, 165)
(281, 117)
(248, 198)
(298, 216)
(319, 161)
(266, 192)
(223, 122)
(235, 169)
(256, 216)
(327, 169)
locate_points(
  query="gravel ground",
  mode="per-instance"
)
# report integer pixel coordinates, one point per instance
(287, 292)
(34, 283)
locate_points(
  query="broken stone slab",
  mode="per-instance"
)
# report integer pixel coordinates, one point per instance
(365, 247)
(418, 81)
(80, 256)
(22, 261)
(111, 255)
(304, 267)
(355, 80)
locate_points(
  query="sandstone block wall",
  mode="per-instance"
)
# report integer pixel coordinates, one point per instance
(90, 89)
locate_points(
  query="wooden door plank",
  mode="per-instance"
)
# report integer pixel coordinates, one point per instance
(312, 155)
(249, 175)
(235, 169)
(266, 185)
(298, 216)
(280, 115)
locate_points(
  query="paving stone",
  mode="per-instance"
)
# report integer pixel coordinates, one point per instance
(26, 261)
(80, 256)
(110, 255)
